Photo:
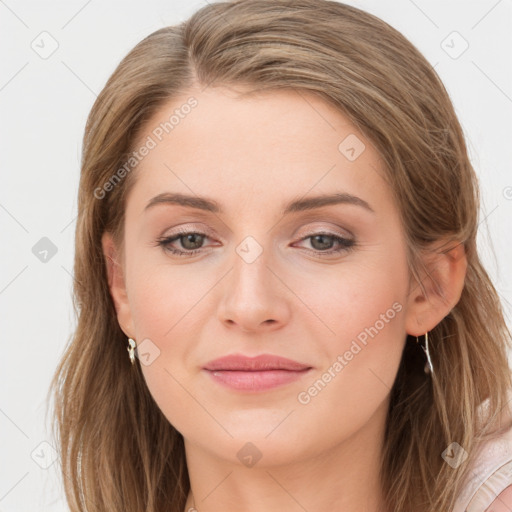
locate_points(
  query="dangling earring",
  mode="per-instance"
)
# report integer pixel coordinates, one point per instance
(131, 350)
(429, 368)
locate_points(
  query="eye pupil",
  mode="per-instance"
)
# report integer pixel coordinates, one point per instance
(191, 237)
(324, 245)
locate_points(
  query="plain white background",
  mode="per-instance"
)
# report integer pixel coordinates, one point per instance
(44, 102)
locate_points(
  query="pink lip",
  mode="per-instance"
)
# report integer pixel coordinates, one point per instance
(258, 363)
(255, 373)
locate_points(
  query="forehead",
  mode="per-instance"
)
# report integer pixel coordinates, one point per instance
(250, 151)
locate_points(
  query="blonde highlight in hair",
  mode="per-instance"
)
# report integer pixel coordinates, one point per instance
(118, 451)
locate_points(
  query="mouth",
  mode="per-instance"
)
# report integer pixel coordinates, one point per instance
(263, 372)
(262, 362)
(256, 381)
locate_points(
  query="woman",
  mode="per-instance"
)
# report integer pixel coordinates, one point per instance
(278, 219)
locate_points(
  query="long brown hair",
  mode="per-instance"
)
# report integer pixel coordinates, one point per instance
(118, 451)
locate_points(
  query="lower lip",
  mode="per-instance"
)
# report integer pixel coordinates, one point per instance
(256, 381)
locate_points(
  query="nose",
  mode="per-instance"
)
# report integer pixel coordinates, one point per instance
(254, 297)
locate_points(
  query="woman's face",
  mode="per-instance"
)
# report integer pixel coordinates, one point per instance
(324, 283)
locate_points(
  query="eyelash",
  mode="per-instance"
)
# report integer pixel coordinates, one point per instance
(345, 243)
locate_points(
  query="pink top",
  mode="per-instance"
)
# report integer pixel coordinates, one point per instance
(491, 472)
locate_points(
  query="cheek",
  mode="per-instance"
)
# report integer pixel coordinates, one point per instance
(170, 307)
(355, 298)
(365, 309)
(359, 326)
(165, 297)
(166, 306)
(372, 300)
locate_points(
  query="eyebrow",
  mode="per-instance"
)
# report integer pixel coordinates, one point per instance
(296, 205)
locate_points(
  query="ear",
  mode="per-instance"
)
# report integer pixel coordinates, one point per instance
(443, 282)
(116, 282)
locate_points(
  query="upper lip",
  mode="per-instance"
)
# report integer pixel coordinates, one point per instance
(259, 363)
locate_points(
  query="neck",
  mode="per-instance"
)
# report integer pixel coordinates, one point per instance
(343, 477)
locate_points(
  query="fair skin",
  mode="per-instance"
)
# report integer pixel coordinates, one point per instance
(503, 502)
(253, 156)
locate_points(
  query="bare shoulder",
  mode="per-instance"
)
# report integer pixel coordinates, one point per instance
(503, 502)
